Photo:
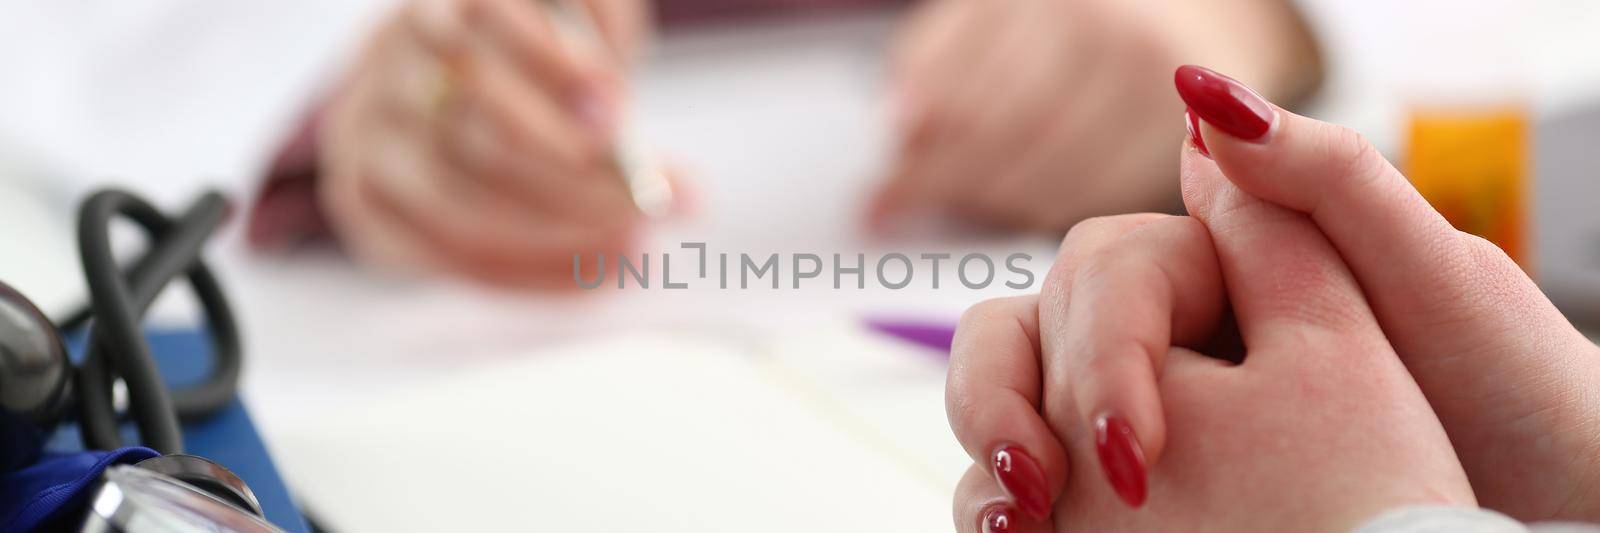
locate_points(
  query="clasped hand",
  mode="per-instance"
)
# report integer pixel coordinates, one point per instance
(1313, 346)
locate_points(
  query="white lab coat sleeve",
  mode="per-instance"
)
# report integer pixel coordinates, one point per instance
(1449, 519)
(162, 96)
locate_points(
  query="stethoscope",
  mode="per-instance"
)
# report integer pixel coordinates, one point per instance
(40, 387)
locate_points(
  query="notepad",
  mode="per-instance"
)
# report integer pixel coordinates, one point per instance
(702, 431)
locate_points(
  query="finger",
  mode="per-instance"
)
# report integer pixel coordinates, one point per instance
(575, 79)
(527, 150)
(437, 75)
(527, 110)
(471, 143)
(476, 234)
(1286, 284)
(981, 507)
(496, 131)
(351, 213)
(1418, 271)
(1083, 241)
(622, 24)
(1156, 287)
(526, 33)
(992, 399)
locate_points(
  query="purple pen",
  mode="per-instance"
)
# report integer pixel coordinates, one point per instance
(932, 334)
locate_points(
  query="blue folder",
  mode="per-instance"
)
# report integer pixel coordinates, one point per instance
(229, 438)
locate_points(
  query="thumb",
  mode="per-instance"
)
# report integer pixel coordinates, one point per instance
(1443, 297)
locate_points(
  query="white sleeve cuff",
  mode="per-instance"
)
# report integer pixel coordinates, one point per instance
(1441, 519)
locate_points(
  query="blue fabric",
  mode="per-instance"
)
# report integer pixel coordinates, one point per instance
(229, 438)
(55, 490)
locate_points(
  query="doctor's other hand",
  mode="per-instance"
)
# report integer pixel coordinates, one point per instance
(474, 137)
(1314, 427)
(1035, 115)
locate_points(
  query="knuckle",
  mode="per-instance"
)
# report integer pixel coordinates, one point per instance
(1347, 143)
(1478, 279)
(1086, 226)
(1352, 157)
(980, 313)
(1104, 263)
(1089, 230)
(1084, 257)
(1480, 250)
(1082, 232)
(985, 312)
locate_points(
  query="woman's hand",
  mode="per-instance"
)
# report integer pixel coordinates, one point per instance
(1508, 376)
(1037, 114)
(1513, 382)
(472, 136)
(1319, 427)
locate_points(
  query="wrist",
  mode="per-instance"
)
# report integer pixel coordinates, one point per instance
(285, 212)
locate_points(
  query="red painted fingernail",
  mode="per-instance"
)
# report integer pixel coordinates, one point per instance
(1121, 458)
(1194, 132)
(1022, 478)
(997, 520)
(1224, 102)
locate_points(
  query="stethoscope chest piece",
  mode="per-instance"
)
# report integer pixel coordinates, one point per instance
(177, 493)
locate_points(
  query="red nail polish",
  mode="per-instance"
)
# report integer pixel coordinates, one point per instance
(1121, 458)
(1193, 122)
(1022, 478)
(997, 520)
(1224, 102)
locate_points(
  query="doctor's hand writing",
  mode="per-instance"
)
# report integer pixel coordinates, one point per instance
(472, 137)
(1337, 271)
(1038, 114)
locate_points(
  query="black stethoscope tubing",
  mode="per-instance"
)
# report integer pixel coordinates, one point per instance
(116, 345)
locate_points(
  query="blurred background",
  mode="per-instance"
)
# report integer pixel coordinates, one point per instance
(412, 180)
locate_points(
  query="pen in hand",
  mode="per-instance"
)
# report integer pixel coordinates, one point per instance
(647, 184)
